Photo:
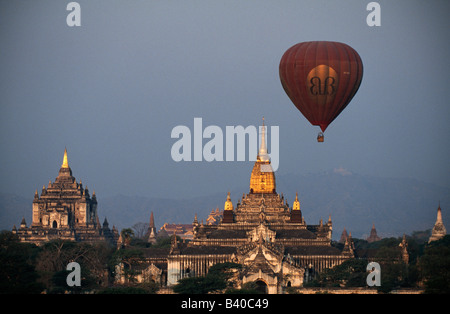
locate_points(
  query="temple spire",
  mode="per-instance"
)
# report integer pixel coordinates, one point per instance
(228, 215)
(65, 163)
(152, 221)
(65, 173)
(296, 205)
(438, 230)
(296, 214)
(228, 204)
(263, 148)
(262, 179)
(373, 237)
(439, 214)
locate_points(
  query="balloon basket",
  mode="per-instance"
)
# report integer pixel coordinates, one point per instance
(320, 137)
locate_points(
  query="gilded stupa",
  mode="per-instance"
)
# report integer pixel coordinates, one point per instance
(228, 204)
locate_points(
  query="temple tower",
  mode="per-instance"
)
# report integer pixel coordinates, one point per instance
(439, 230)
(152, 230)
(228, 215)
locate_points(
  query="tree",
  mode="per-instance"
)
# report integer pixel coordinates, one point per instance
(123, 290)
(164, 242)
(55, 255)
(130, 259)
(193, 285)
(434, 266)
(247, 288)
(127, 235)
(394, 271)
(216, 280)
(351, 273)
(140, 229)
(17, 271)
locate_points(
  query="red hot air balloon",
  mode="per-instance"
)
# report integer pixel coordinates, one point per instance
(321, 78)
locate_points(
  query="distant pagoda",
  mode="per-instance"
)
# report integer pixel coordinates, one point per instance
(151, 238)
(344, 236)
(373, 235)
(65, 210)
(439, 230)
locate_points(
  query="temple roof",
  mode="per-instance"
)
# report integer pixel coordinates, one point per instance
(200, 249)
(259, 263)
(297, 234)
(312, 250)
(185, 249)
(227, 234)
(156, 252)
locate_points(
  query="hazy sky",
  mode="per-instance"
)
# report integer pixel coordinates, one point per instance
(112, 90)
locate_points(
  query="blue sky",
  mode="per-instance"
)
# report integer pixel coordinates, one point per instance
(112, 90)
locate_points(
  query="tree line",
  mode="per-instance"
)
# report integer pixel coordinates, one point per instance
(26, 268)
(427, 267)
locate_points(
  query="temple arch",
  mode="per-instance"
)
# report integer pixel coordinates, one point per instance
(261, 286)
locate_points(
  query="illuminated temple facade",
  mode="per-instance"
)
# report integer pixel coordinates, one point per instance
(271, 240)
(65, 210)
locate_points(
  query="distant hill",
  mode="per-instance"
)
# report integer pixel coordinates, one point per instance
(125, 211)
(394, 205)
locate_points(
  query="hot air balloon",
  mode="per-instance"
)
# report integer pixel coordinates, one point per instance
(321, 78)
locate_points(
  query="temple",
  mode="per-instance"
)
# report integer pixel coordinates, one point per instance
(65, 210)
(272, 241)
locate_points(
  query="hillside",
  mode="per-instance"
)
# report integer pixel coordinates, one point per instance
(394, 205)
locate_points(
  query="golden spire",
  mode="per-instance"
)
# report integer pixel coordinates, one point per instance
(65, 163)
(296, 205)
(262, 179)
(228, 204)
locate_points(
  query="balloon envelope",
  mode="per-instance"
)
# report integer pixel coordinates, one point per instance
(321, 78)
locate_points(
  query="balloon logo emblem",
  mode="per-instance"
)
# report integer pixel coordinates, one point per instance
(322, 82)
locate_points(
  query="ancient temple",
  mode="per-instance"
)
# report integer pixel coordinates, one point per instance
(439, 230)
(65, 210)
(373, 237)
(271, 240)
